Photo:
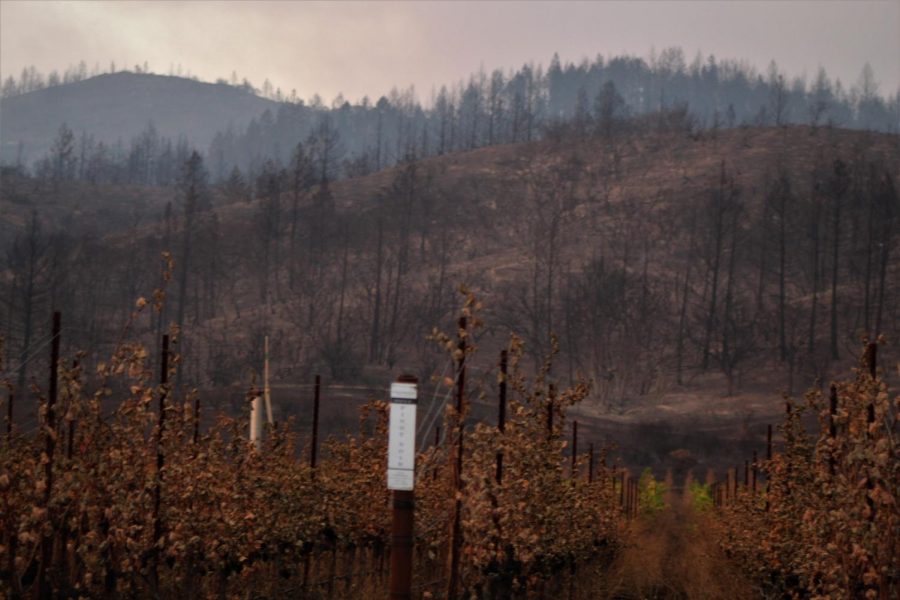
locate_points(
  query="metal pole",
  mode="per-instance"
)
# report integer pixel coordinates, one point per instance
(832, 426)
(456, 523)
(591, 464)
(402, 533)
(437, 441)
(550, 397)
(315, 425)
(196, 418)
(51, 405)
(754, 473)
(9, 415)
(160, 461)
(501, 412)
(728, 492)
(574, 447)
(872, 358)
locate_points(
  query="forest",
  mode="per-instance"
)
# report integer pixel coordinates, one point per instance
(753, 248)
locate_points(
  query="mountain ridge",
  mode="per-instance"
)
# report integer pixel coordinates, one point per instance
(118, 106)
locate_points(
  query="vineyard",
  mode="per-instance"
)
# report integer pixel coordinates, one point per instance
(146, 503)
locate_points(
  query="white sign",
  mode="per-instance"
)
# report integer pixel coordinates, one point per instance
(402, 437)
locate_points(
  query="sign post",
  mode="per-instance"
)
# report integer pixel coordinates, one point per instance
(401, 479)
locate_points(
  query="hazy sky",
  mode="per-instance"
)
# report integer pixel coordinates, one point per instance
(366, 48)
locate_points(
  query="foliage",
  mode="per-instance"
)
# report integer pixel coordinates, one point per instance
(651, 493)
(827, 524)
(700, 495)
(232, 516)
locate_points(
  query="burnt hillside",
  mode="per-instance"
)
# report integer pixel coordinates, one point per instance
(667, 267)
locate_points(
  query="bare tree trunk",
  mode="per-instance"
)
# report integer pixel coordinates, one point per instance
(882, 272)
(711, 315)
(340, 317)
(729, 358)
(835, 242)
(868, 274)
(685, 289)
(376, 312)
(782, 251)
(815, 272)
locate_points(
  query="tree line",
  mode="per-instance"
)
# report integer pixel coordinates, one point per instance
(506, 107)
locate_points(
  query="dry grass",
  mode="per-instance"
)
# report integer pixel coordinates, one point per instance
(669, 556)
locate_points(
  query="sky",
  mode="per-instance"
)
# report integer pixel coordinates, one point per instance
(366, 48)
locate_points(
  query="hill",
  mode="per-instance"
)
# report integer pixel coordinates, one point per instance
(691, 278)
(118, 106)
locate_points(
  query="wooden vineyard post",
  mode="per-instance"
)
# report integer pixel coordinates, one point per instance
(456, 520)
(256, 419)
(401, 480)
(501, 412)
(44, 587)
(315, 425)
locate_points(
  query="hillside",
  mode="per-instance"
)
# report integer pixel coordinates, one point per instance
(636, 218)
(118, 106)
(613, 245)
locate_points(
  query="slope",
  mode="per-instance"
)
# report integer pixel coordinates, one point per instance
(118, 106)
